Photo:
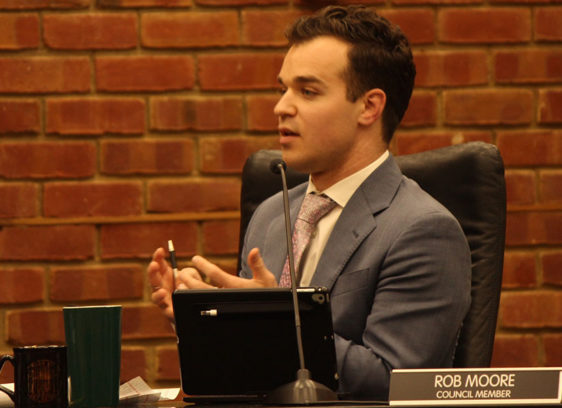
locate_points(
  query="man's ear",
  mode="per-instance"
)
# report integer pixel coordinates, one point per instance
(374, 102)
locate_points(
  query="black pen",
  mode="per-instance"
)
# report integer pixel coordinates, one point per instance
(172, 252)
(175, 265)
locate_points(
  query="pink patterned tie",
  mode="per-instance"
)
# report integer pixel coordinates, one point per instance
(313, 208)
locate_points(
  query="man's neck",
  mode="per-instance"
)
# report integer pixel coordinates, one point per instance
(324, 180)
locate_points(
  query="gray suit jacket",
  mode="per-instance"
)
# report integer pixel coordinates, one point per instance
(397, 265)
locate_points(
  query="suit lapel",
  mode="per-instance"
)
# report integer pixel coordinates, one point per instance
(357, 221)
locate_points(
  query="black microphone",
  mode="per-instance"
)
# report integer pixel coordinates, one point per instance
(304, 390)
(276, 166)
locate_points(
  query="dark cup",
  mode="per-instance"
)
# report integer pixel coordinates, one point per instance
(40, 377)
(93, 337)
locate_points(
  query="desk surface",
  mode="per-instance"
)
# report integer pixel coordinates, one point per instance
(181, 404)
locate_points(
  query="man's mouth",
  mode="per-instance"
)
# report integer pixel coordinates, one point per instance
(287, 132)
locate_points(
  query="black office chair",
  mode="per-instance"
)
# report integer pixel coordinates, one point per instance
(469, 180)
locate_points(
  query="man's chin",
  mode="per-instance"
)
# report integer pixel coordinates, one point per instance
(294, 161)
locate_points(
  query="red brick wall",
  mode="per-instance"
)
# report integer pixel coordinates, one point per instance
(125, 123)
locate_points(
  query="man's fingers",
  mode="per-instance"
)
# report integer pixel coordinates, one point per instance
(159, 272)
(159, 297)
(186, 274)
(154, 276)
(213, 273)
(256, 263)
(161, 281)
(159, 257)
(163, 300)
(259, 270)
(213, 276)
(195, 283)
(190, 278)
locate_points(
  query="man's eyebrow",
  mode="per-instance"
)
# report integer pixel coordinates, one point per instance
(303, 79)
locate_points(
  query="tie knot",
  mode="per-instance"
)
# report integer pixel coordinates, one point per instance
(314, 207)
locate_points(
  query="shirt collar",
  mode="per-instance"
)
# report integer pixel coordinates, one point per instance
(342, 191)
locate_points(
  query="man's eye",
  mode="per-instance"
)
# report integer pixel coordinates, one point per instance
(308, 92)
(282, 91)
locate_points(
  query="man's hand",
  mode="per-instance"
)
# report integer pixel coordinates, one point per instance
(161, 278)
(192, 278)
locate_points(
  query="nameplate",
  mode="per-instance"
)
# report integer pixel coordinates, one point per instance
(479, 386)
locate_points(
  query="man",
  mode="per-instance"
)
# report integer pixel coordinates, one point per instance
(395, 261)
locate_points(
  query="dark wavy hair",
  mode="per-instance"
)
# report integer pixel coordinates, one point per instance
(379, 57)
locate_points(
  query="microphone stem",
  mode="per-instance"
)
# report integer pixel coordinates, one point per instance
(292, 267)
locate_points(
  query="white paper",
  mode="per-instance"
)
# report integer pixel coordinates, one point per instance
(135, 391)
(5, 401)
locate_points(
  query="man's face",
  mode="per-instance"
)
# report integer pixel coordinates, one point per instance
(318, 126)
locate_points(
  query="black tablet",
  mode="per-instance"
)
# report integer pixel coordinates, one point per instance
(240, 344)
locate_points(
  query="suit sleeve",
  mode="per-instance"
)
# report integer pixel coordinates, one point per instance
(420, 299)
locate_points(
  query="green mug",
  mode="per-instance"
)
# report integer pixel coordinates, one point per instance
(93, 338)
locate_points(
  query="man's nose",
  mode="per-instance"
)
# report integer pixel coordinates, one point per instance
(285, 106)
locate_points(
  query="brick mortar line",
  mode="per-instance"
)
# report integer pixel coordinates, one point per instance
(543, 208)
(194, 216)
(200, 216)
